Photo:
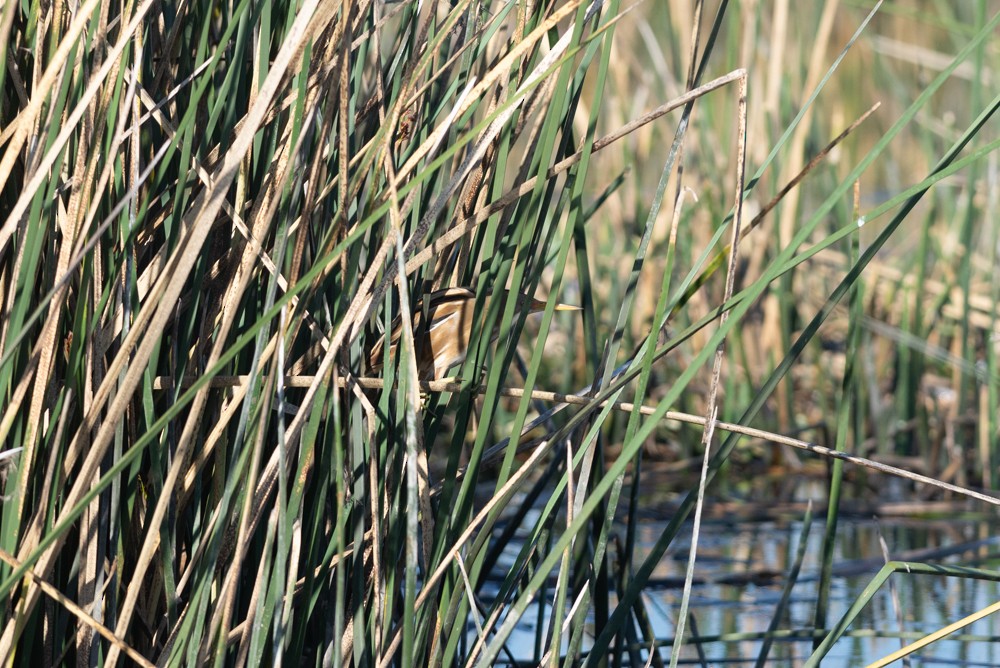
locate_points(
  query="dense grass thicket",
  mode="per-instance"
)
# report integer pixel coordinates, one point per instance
(779, 220)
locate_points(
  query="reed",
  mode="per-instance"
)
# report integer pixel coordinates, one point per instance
(271, 391)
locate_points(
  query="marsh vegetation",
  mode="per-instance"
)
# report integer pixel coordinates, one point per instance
(778, 220)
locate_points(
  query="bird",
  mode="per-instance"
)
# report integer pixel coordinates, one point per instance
(442, 328)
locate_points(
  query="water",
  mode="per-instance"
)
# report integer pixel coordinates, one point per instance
(743, 566)
(767, 550)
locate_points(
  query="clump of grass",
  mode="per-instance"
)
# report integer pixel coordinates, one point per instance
(209, 216)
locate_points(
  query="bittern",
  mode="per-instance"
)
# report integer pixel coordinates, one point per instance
(442, 329)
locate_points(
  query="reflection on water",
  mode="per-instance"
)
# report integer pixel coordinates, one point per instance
(741, 572)
(763, 549)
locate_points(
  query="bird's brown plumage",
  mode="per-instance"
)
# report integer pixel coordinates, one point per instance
(442, 327)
